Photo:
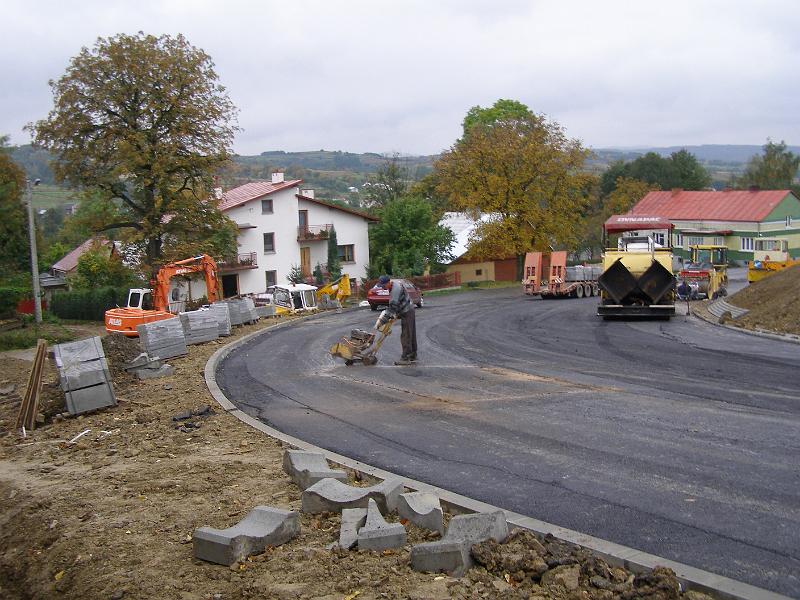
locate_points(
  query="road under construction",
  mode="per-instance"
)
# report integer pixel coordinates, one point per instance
(678, 438)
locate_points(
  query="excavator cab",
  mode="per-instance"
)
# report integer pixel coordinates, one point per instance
(140, 298)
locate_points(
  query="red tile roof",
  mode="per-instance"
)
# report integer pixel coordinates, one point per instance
(70, 261)
(346, 209)
(733, 205)
(252, 191)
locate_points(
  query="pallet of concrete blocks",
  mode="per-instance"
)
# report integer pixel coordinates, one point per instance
(236, 313)
(453, 553)
(163, 339)
(265, 311)
(199, 326)
(84, 376)
(250, 310)
(263, 526)
(222, 313)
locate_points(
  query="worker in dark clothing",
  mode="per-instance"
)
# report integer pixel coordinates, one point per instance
(400, 307)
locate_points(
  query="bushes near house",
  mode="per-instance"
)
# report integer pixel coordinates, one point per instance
(88, 305)
(9, 298)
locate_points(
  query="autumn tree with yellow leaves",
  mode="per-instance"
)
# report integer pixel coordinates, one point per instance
(523, 170)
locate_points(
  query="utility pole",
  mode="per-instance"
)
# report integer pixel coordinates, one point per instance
(37, 298)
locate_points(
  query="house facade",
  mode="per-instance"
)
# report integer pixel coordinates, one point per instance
(282, 226)
(467, 270)
(732, 218)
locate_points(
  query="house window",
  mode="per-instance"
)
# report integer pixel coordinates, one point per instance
(346, 253)
(747, 244)
(269, 242)
(718, 241)
(272, 278)
(694, 240)
(478, 272)
(658, 238)
(677, 240)
(266, 206)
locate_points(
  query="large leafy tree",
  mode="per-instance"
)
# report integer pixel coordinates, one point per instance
(679, 170)
(14, 253)
(408, 239)
(521, 170)
(388, 184)
(143, 121)
(775, 169)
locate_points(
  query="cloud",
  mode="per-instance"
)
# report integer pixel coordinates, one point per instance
(379, 75)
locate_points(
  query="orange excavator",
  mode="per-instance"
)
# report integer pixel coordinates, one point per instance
(148, 305)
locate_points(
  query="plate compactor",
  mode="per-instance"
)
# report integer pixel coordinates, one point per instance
(362, 345)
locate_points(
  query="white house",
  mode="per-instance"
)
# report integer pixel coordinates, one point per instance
(282, 226)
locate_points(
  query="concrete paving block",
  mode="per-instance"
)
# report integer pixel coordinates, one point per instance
(78, 351)
(77, 375)
(353, 519)
(162, 371)
(423, 509)
(377, 534)
(222, 313)
(263, 526)
(452, 554)
(331, 495)
(307, 468)
(265, 311)
(143, 361)
(90, 398)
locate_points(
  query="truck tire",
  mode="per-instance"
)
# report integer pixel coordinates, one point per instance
(579, 291)
(587, 290)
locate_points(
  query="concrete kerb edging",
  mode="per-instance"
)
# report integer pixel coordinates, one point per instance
(792, 339)
(615, 554)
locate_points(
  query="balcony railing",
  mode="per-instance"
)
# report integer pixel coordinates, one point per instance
(310, 233)
(238, 262)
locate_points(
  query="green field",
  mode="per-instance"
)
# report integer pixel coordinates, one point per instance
(50, 196)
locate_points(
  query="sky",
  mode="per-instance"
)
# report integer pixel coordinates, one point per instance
(398, 77)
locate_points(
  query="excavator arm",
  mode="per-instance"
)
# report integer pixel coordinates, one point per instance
(337, 290)
(196, 264)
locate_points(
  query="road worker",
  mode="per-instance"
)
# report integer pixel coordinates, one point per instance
(400, 307)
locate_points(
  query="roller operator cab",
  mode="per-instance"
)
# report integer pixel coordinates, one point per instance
(637, 279)
(705, 275)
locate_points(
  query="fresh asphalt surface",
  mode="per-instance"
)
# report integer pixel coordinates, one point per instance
(678, 438)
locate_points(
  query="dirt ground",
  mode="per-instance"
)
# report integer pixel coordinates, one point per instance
(111, 514)
(774, 303)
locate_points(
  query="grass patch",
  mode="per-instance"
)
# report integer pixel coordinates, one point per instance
(27, 336)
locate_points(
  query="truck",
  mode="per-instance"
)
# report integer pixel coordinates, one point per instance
(547, 275)
(770, 255)
(637, 279)
(163, 300)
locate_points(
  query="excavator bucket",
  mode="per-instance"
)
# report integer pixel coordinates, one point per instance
(617, 281)
(656, 281)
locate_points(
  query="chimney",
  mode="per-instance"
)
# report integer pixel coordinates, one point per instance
(754, 188)
(307, 193)
(277, 177)
(218, 193)
(676, 191)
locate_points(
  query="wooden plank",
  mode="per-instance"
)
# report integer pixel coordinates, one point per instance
(30, 402)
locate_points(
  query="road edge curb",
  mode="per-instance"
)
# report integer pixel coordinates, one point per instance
(615, 554)
(696, 312)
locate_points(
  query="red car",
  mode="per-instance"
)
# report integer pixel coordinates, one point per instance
(379, 297)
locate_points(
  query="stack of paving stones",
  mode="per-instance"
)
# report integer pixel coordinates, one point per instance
(164, 339)
(268, 310)
(222, 313)
(237, 316)
(84, 376)
(250, 310)
(199, 326)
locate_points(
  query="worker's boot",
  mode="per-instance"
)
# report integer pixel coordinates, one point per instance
(403, 362)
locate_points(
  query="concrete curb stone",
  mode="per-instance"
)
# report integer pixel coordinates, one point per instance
(307, 468)
(377, 534)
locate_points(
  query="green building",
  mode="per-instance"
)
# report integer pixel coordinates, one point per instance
(732, 218)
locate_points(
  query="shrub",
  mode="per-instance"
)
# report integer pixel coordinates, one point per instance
(9, 298)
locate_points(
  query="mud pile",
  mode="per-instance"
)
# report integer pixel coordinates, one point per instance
(774, 303)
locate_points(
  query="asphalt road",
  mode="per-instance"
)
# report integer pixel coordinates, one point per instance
(677, 438)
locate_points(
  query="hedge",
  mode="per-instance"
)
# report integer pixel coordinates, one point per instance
(9, 298)
(88, 305)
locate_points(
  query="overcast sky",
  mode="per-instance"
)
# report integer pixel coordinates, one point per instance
(377, 76)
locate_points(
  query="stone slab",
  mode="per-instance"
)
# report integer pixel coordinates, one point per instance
(331, 495)
(423, 509)
(162, 371)
(307, 468)
(78, 351)
(77, 375)
(261, 527)
(377, 534)
(452, 554)
(90, 398)
(353, 519)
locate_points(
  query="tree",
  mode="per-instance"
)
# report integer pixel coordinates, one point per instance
(407, 239)
(14, 247)
(334, 264)
(99, 268)
(143, 121)
(502, 111)
(680, 170)
(775, 169)
(525, 174)
(387, 185)
(296, 275)
(687, 173)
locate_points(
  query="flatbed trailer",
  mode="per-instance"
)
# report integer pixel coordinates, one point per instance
(547, 275)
